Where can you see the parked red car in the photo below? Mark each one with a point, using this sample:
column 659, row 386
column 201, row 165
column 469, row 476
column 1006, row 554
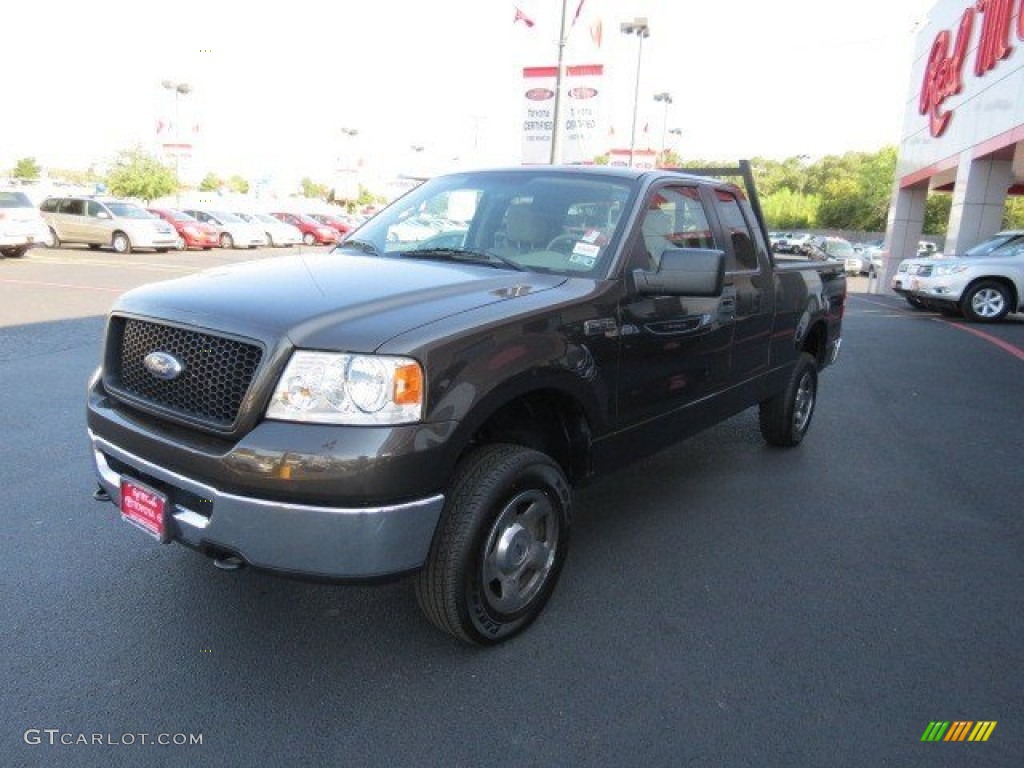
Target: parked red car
column 332, row 221
column 313, row 232
column 192, row 233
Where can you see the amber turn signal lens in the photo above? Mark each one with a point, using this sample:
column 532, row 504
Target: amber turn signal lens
column 408, row 385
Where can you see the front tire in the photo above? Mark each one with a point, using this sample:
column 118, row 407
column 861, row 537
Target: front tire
column 180, row 244
column 499, row 546
column 786, row 417
column 226, row 241
column 309, row 238
column 986, row 302
column 270, row 241
column 121, row 243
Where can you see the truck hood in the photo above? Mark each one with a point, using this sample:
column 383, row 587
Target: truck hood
column 330, row 300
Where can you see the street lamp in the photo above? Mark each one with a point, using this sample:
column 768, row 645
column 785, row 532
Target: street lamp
column 666, row 97
column 641, row 29
column 179, row 90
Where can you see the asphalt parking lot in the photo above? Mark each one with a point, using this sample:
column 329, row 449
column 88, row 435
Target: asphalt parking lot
column 724, row 603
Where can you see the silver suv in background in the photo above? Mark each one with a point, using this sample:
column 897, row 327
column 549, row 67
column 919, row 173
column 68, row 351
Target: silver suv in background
column 97, row 222
column 985, row 284
column 21, row 226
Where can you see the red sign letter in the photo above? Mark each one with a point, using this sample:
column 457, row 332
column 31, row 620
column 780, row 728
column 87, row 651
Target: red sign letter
column 994, row 44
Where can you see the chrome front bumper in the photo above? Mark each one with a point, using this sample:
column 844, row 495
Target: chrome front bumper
column 305, row 540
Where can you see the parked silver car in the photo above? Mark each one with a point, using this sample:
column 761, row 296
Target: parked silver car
column 21, row 225
column 98, row 222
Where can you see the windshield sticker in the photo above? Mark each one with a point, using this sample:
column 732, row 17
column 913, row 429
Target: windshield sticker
column 587, row 250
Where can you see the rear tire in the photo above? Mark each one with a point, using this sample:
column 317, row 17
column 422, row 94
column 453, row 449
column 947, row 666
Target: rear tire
column 270, row 241
column 309, row 238
column 785, row 418
column 17, row 252
column 499, row 546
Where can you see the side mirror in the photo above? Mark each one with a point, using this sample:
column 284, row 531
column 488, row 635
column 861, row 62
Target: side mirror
column 684, row 272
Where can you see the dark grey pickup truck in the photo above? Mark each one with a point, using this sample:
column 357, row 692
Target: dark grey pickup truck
column 423, row 398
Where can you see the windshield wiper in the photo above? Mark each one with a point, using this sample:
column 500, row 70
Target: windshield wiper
column 460, row 254
column 363, row 245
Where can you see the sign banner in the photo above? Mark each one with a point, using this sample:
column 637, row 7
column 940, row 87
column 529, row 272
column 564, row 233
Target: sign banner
column 582, row 123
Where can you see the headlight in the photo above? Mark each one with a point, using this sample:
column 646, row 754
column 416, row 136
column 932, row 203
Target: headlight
column 331, row 388
column 950, row 269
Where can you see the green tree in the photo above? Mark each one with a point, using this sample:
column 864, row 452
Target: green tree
column 237, row 184
column 311, row 189
column 26, row 168
column 1013, row 213
column 210, row 183
column 74, row 176
column 138, row 174
column 936, row 213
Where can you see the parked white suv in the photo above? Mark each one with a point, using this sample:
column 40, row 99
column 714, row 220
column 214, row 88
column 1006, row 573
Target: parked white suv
column 97, row 222
column 984, row 284
column 21, row 226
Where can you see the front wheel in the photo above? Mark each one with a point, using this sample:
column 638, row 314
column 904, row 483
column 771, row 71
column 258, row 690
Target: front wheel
column 986, row 302
column 499, row 546
column 121, row 243
column 180, row 244
column 786, row 417
column 226, row 241
column 309, row 238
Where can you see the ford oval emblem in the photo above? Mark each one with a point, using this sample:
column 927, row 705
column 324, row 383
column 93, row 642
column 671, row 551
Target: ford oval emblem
column 539, row 94
column 163, row 365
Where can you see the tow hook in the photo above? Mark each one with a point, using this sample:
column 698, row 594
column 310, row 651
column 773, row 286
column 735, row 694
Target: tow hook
column 100, row 494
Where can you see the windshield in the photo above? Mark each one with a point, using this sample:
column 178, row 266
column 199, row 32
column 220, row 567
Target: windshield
column 990, row 245
column 544, row 220
column 224, row 217
column 129, row 211
column 266, row 218
column 182, row 216
column 14, row 200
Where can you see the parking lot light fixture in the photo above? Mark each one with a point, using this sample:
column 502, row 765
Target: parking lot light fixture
column 642, row 30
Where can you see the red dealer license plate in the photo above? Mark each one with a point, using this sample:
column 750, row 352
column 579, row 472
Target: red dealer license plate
column 144, row 508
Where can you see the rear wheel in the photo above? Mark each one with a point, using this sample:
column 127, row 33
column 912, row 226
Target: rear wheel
column 270, row 241
column 121, row 243
column 499, row 547
column 786, row 417
column 309, row 238
column 17, row 252
column 986, row 302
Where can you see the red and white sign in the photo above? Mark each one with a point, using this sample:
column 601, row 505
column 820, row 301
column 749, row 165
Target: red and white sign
column 944, row 72
column 144, row 508
column 582, row 124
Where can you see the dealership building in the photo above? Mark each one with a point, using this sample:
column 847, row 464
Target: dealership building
column 963, row 132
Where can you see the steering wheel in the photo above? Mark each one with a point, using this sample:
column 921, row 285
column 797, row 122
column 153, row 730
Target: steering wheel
column 562, row 244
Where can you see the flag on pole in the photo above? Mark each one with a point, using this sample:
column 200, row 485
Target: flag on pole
column 579, row 10
column 520, row 16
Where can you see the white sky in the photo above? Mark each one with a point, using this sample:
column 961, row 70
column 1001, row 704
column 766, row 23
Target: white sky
column 274, row 82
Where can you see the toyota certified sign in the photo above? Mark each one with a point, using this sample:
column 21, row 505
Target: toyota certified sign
column 539, row 94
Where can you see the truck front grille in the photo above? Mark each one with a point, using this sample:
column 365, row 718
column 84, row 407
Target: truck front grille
column 216, row 370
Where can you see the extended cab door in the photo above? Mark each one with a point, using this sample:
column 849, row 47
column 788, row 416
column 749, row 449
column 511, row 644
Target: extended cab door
column 749, row 293
column 674, row 350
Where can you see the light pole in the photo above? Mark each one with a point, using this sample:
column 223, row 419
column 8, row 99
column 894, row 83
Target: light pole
column 641, row 29
column 666, row 97
column 179, row 90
